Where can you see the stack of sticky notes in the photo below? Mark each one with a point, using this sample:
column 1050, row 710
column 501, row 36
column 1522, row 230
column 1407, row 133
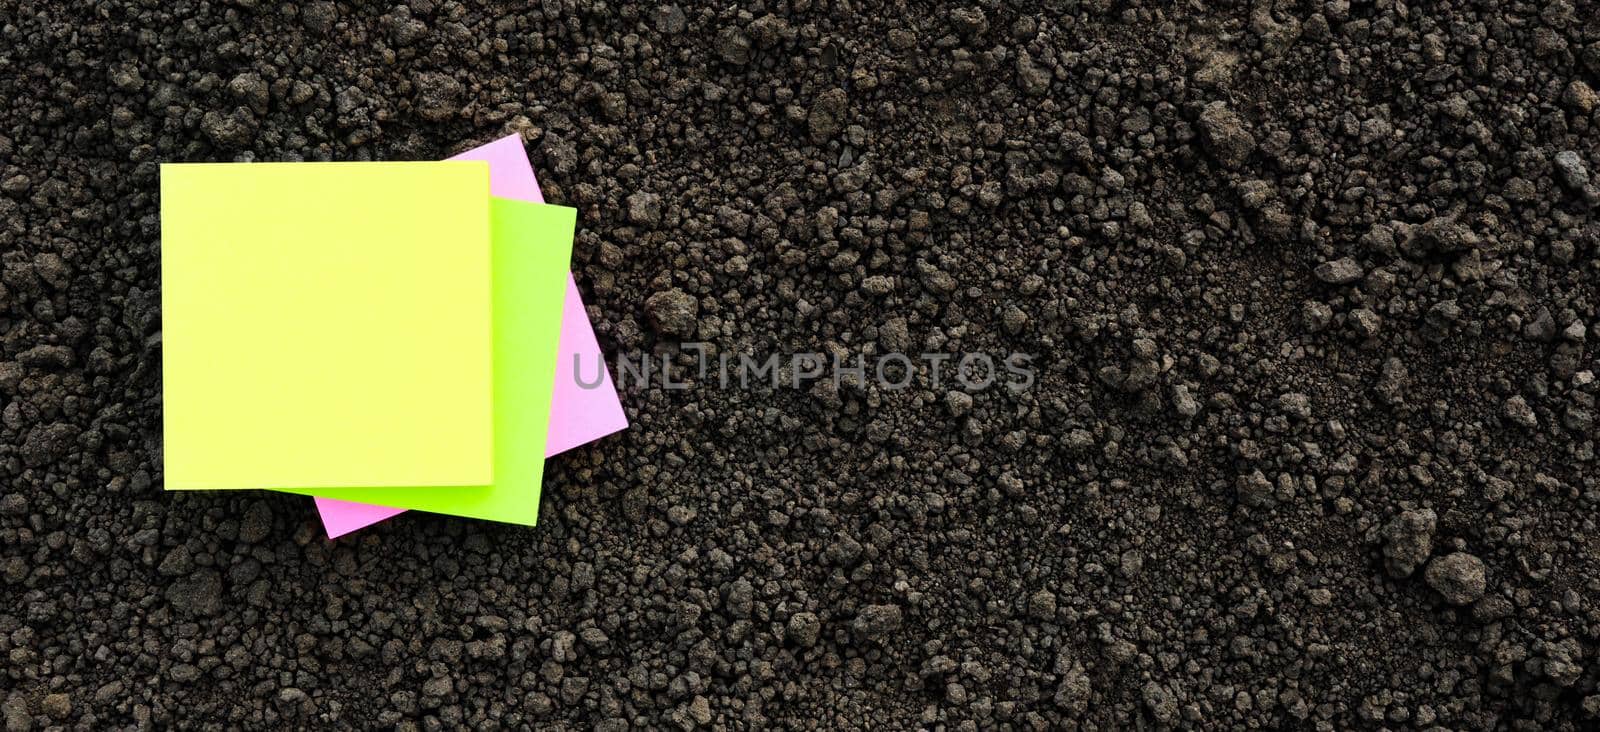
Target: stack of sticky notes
column 383, row 336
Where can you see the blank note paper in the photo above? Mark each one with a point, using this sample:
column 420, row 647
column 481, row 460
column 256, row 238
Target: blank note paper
column 326, row 324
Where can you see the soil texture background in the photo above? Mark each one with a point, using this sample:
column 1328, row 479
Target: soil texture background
column 1312, row 290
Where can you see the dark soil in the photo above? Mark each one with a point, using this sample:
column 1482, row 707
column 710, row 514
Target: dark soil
column 1313, row 290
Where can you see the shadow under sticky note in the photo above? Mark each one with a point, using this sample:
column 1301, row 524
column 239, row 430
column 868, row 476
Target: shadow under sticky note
column 302, row 304
column 580, row 412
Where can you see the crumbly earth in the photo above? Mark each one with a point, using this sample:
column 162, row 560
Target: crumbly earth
column 1313, row 290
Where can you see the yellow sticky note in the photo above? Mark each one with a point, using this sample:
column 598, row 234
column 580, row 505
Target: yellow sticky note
column 326, row 324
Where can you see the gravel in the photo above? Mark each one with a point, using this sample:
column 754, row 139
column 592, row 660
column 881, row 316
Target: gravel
column 1309, row 290
column 1408, row 541
column 1458, row 577
column 1227, row 135
column 1342, row 271
column 672, row 312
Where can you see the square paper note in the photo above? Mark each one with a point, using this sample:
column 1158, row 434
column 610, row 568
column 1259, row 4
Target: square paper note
column 326, row 324
column 532, row 248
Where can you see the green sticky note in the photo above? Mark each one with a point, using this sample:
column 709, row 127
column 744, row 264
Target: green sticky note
column 530, row 251
column 326, row 324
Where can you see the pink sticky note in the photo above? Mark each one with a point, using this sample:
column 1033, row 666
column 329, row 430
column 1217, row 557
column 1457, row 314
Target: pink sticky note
column 581, row 410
